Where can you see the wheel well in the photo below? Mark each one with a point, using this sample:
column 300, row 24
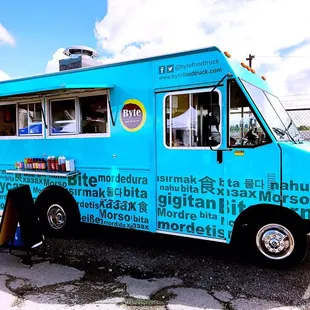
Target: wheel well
column 259, row 211
column 55, row 190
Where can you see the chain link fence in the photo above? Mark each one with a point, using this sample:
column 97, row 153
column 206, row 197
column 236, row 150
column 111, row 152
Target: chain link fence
column 301, row 118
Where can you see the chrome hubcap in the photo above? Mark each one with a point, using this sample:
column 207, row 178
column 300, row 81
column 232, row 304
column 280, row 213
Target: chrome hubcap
column 56, row 216
column 275, row 241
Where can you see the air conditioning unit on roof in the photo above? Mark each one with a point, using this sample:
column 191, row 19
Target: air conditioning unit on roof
column 79, row 57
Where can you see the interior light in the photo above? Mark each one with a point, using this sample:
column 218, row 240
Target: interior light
column 227, row 54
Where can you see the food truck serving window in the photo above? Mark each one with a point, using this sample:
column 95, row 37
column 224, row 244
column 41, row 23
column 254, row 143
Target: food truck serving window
column 20, row 119
column 63, row 118
column 193, row 119
column 81, row 115
column 29, row 118
column 93, row 114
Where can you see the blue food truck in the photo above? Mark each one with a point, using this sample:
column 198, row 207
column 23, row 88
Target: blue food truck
column 192, row 144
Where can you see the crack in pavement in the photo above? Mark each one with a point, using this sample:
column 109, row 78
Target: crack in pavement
column 51, row 284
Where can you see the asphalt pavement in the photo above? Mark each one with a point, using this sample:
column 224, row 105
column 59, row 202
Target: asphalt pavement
column 104, row 268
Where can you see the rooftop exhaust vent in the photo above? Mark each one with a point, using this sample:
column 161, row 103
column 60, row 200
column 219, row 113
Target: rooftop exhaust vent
column 79, row 57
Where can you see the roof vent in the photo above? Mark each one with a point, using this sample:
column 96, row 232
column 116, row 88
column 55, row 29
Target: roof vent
column 79, row 57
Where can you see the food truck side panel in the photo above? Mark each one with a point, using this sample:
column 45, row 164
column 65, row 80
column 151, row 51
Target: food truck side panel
column 116, row 184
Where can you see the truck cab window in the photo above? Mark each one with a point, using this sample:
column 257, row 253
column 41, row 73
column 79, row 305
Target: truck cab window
column 193, row 120
column 244, row 127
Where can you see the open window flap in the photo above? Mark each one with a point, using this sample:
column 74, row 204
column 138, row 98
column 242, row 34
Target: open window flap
column 115, row 109
column 43, row 112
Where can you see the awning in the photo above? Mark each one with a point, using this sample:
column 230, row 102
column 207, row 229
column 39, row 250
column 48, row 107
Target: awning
column 16, row 88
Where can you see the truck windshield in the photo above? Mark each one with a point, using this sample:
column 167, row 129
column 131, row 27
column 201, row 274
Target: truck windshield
column 274, row 113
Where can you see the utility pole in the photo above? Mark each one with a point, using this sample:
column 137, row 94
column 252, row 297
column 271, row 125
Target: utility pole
column 250, row 60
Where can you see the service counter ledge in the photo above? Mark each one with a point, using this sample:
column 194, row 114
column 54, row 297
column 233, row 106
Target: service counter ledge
column 48, row 173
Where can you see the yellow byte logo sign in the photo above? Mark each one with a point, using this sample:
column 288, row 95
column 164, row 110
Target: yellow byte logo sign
column 133, row 115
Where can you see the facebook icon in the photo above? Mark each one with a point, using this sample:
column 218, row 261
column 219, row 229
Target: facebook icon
column 162, row 69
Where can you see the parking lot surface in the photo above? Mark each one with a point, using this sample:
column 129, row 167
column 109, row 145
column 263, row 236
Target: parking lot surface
column 104, row 268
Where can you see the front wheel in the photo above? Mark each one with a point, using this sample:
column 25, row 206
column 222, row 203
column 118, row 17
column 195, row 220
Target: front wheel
column 279, row 243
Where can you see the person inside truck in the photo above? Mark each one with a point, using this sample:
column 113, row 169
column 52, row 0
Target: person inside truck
column 252, row 135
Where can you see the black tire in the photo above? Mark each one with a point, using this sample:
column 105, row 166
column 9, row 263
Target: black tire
column 270, row 248
column 58, row 212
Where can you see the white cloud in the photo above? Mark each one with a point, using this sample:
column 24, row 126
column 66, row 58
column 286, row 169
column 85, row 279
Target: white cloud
column 5, row 36
column 259, row 27
column 3, row 76
column 53, row 64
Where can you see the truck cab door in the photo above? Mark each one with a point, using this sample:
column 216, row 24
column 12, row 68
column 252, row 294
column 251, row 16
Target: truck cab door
column 252, row 164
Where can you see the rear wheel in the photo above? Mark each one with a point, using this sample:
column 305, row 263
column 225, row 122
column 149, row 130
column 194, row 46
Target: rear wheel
column 56, row 217
column 58, row 212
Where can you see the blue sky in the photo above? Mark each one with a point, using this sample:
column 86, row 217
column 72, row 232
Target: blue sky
column 41, row 27
column 130, row 29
